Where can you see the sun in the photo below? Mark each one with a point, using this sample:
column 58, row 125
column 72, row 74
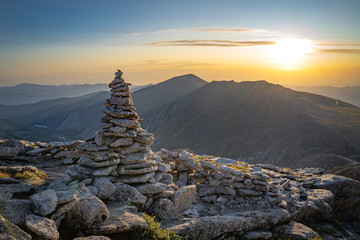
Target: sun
column 290, row 52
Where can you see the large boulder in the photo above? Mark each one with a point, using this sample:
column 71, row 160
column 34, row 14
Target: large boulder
column 88, row 211
column 295, row 231
column 44, row 203
column 120, row 221
column 318, row 204
column 164, row 208
column 183, row 197
column 44, row 228
column 346, row 192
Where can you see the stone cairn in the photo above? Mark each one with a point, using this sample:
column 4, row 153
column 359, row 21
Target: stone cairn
column 120, row 152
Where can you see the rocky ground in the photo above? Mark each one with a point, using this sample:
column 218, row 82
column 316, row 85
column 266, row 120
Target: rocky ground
column 213, row 198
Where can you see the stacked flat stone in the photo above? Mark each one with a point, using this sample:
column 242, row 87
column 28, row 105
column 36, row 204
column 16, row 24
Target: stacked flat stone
column 121, row 149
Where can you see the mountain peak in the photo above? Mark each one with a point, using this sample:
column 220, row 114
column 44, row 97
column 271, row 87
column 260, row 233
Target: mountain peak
column 187, row 78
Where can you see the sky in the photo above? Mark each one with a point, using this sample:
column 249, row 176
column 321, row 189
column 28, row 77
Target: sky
column 287, row 42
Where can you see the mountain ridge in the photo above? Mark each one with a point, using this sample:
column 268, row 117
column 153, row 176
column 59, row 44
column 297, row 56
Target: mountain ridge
column 192, row 111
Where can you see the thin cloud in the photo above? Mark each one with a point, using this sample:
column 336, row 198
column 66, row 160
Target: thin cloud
column 340, row 50
column 212, row 43
column 175, row 64
column 205, row 29
column 338, row 44
column 215, row 29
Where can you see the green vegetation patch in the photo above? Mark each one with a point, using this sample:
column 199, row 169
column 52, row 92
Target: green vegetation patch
column 156, row 232
column 29, row 175
column 38, row 175
column 239, row 168
column 198, row 158
column 5, row 175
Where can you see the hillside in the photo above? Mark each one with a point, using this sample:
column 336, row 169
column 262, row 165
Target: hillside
column 347, row 94
column 259, row 122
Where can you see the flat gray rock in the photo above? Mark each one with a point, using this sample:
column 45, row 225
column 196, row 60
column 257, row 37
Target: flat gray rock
column 87, row 162
column 149, row 189
column 126, row 123
column 139, row 170
column 66, row 144
column 100, row 172
column 247, row 192
column 44, row 203
column 66, row 196
column 121, row 142
column 92, row 147
column 135, row 158
column 135, row 147
column 105, row 187
column 137, row 178
column 126, row 194
column 148, row 163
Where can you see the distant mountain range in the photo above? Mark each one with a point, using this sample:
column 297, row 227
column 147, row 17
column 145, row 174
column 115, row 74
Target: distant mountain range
column 347, row 94
column 251, row 121
column 31, row 93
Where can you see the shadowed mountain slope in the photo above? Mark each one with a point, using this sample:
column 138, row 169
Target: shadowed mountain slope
column 257, row 121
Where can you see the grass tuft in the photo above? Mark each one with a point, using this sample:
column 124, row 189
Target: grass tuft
column 4, row 175
column 30, row 175
column 156, row 232
column 238, row 168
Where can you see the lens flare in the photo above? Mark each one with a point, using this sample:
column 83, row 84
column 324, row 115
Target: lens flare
column 289, row 53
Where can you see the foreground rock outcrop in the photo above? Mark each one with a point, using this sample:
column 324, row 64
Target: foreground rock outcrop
column 114, row 178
